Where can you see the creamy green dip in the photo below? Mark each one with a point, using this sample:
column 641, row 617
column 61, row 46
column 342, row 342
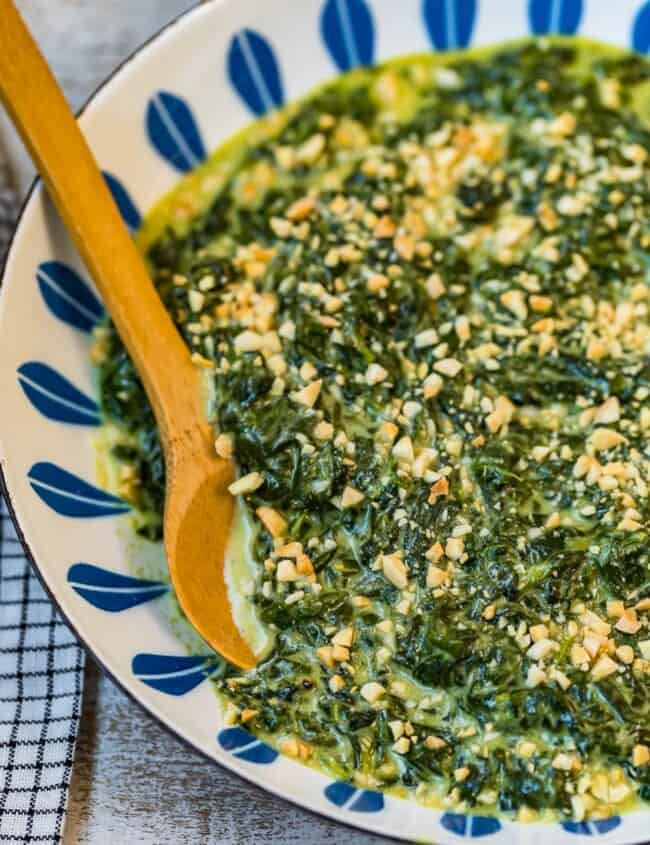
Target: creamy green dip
column 421, row 297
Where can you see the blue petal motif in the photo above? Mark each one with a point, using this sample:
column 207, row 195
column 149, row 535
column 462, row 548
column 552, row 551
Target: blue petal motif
column 472, row 827
column 641, row 30
column 245, row 746
column 173, row 131
column 55, row 397
column 170, row 674
column 595, row 828
column 254, row 72
column 124, row 202
column 111, row 591
column 348, row 797
column 349, row 33
column 69, row 495
column 555, row 16
column 450, row 22
column 68, row 296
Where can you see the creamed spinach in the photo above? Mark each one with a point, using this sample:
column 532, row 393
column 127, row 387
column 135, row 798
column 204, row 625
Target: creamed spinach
column 421, row 297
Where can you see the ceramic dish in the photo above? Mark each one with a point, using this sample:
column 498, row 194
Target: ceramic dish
column 192, row 87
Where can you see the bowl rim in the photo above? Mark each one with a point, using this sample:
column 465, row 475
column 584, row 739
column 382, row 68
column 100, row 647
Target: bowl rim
column 33, row 191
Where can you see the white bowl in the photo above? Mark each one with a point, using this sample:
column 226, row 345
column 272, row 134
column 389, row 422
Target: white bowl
column 194, row 85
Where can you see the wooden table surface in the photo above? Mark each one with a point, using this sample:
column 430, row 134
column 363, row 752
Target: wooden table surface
column 132, row 781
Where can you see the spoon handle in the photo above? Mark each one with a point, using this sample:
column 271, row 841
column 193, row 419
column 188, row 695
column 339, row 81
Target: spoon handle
column 41, row 114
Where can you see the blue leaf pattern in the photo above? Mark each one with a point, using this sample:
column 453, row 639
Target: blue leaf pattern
column 472, row 827
column 595, row 828
column 111, row 591
column 254, row 72
column 124, row 202
column 68, row 296
column 170, row 674
column 555, row 16
column 245, row 746
column 641, row 30
column 349, row 33
column 70, row 495
column 450, row 23
column 173, row 131
column 55, row 397
column 348, row 797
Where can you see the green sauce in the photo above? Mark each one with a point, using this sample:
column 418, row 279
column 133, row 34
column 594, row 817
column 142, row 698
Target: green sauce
column 421, row 295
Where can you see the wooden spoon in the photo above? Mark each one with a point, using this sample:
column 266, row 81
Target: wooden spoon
column 198, row 508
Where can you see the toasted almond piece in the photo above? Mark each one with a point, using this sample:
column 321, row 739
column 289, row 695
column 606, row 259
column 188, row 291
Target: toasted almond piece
column 432, row 385
column 301, row 209
column 515, row 302
column 395, row 570
column 377, row 282
column 563, row 762
column 579, row 655
column 640, row 755
column 372, row 691
column 501, row 415
column 403, row 450
column 615, row 609
column 340, row 653
column 249, row 341
column 274, row 522
column 304, row 566
column 324, row 431
column 280, row 227
column 526, row 749
column 308, row 396
column 608, row 412
column 387, row 433
column 324, row 654
column 628, row 623
column 286, row 571
column 448, row 367
column 385, row 228
column 246, row 484
column 538, row 632
column 426, row 338
column 293, row 550
column 336, row 683
column 435, row 553
column 224, row 445
column 455, row 548
column 435, row 286
column 541, row 649
column 344, row 637
column 489, row 612
column 593, row 621
column 438, row 488
column 436, row 577
column 375, row 374
column 603, row 668
column 606, row 438
column 405, row 246
column 554, row 521
column 434, row 743
column 351, row 497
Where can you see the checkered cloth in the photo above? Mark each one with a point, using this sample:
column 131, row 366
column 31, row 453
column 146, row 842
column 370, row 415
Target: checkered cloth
column 41, row 670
